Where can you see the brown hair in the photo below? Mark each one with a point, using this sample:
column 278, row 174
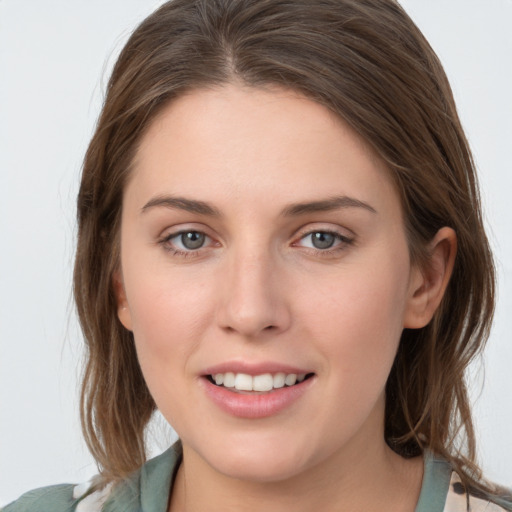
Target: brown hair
column 366, row 61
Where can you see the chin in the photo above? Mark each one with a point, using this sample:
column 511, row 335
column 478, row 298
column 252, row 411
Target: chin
column 264, row 461
column 258, row 470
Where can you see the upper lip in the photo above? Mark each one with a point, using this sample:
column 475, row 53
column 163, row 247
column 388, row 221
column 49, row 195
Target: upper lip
column 254, row 368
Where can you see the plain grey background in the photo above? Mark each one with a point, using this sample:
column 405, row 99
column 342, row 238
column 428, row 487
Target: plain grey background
column 54, row 62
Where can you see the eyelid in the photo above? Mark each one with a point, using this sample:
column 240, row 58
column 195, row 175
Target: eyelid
column 178, row 234
column 173, row 232
column 344, row 237
column 338, row 236
column 310, row 228
column 184, row 227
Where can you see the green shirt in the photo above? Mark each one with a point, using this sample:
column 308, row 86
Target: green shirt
column 147, row 490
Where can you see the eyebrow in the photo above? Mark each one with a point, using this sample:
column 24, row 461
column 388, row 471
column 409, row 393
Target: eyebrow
column 296, row 209
column 182, row 203
column 332, row 203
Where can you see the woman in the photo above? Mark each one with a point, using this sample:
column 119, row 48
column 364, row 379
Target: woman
column 280, row 247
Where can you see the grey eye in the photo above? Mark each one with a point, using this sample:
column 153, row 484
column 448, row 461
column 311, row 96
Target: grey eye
column 322, row 240
column 192, row 239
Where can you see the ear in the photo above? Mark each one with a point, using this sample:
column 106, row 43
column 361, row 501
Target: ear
column 123, row 310
column 427, row 285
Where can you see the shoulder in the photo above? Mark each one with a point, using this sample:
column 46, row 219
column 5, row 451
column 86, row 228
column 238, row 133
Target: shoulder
column 62, row 498
column 56, row 498
column 458, row 500
column 443, row 491
column 146, row 488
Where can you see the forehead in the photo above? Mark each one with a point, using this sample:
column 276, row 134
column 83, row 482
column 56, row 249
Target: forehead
column 235, row 142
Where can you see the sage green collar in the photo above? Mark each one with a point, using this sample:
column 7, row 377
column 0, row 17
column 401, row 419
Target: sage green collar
column 436, row 482
column 148, row 489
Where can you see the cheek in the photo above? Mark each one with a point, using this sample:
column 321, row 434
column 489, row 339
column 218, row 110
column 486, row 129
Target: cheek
column 165, row 314
column 167, row 311
column 357, row 323
column 168, row 318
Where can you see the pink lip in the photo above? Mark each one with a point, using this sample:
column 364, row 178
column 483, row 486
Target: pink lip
column 253, row 368
column 255, row 405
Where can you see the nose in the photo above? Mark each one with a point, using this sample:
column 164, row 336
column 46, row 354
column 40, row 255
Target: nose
column 254, row 297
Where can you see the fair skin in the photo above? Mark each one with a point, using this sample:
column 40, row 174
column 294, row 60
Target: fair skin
column 260, row 235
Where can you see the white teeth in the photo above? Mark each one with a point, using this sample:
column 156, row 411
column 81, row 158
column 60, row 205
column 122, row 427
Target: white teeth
column 262, row 383
column 279, row 379
column 291, row 379
column 243, row 382
column 229, row 380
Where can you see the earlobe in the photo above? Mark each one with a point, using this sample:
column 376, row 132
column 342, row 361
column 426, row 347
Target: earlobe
column 428, row 285
column 123, row 310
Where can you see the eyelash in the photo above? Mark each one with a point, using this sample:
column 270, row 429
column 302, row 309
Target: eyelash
column 165, row 242
column 343, row 242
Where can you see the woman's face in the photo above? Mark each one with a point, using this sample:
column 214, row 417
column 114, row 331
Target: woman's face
column 262, row 240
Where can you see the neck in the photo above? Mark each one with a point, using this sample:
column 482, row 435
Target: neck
column 361, row 477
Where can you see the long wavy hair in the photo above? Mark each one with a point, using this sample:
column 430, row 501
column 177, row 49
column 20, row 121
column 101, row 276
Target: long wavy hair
column 366, row 61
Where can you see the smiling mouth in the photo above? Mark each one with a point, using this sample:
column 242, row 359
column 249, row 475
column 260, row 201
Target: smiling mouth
column 243, row 382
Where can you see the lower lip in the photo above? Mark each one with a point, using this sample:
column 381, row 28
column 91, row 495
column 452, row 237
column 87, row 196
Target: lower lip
column 257, row 405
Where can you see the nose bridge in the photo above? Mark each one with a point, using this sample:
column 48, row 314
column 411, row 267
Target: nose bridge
column 254, row 300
